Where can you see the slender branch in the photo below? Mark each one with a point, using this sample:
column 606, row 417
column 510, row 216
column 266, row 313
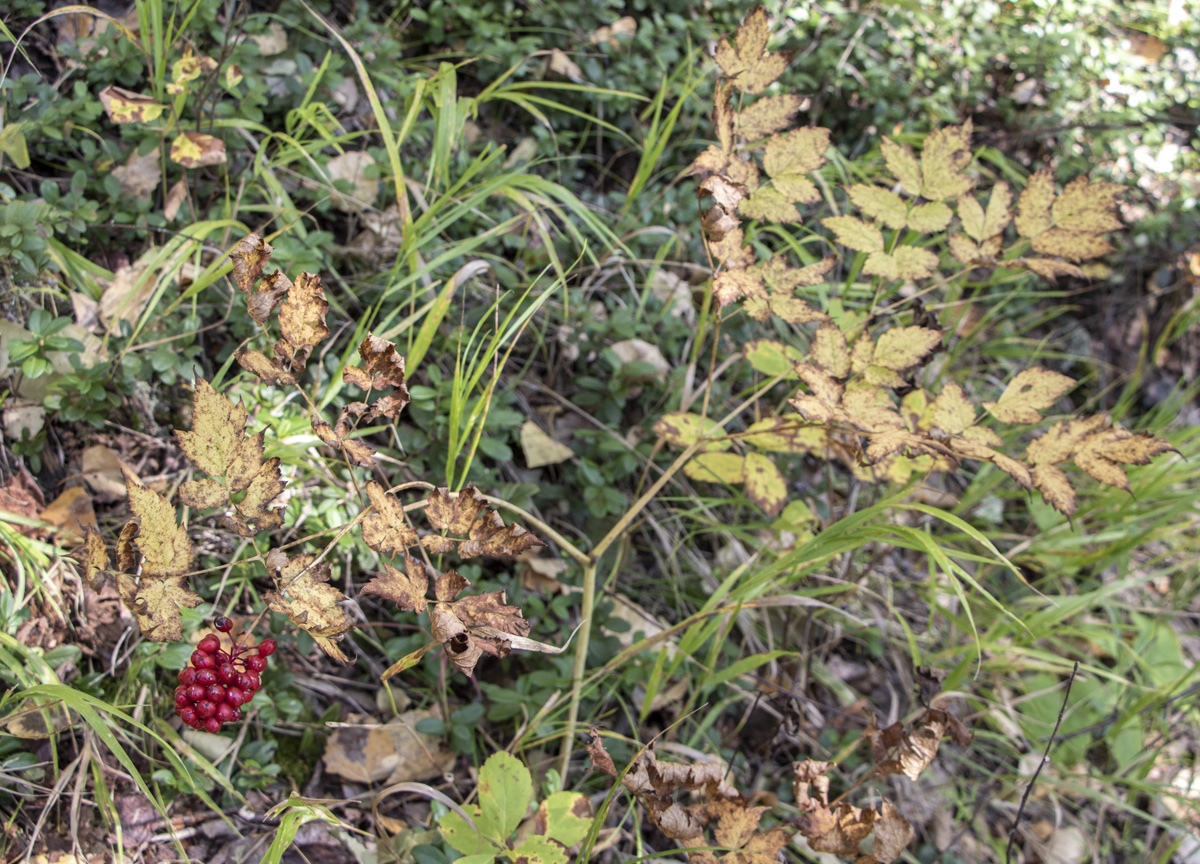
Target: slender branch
column 1045, row 758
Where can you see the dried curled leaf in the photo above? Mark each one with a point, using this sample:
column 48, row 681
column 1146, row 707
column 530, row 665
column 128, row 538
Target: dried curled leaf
column 746, row 61
column 383, row 369
column 466, row 512
column 302, row 320
column 93, row 555
column 303, row 593
column 405, row 589
column 260, row 365
column 155, row 601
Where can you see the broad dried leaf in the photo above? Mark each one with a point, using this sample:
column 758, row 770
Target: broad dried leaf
column 767, row 115
column 385, row 529
column 197, row 150
column 1103, row 453
column 261, row 303
column 891, row 441
column 893, row 834
column 944, row 155
column 217, row 429
column 854, row 233
column 732, row 252
column 1033, row 207
column 1088, row 208
column 902, row 347
column 1028, row 394
column 732, row 285
column 682, row 429
column 723, row 115
column 903, row 164
column 250, row 256
column 455, row 513
column 405, row 589
column 880, row 204
column 1055, row 487
column 164, row 544
column 125, row 106
column 155, row 601
column 744, row 170
column 727, row 468
column 746, row 62
column 263, row 367
column 1071, row 244
column 782, row 278
column 829, row 349
column 929, row 217
column 126, row 554
column 826, row 389
column 302, row 320
column 384, row 368
column 717, row 223
column 304, row 594
column 839, row 831
column 204, row 494
column 765, row 485
column 722, row 190
column 769, row 205
column 490, row 536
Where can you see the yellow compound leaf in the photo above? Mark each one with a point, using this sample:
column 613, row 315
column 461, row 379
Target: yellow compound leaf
column 765, row 486
column 902, row 347
column 771, row 357
column 304, row 594
column 769, row 205
column 405, row 589
column 953, row 412
column 855, row 233
column 794, row 310
column 204, row 494
column 829, row 349
column 913, row 262
column 966, row 252
column 744, row 171
column 1033, row 207
column 164, row 544
column 930, row 217
column 946, row 152
column 716, row 468
column 731, row 252
column 1019, row 471
column 385, row 529
column 125, row 106
column 881, row 264
column 217, row 429
column 1048, row 268
column 683, row 430
column 155, row 601
column 903, row 164
column 881, row 376
column 826, row 389
column 383, row 368
column 882, row 205
column 1055, row 487
column 1089, row 208
column 917, row 411
column 757, row 308
column 263, row 489
column 302, row 320
column 981, row 226
column 767, row 116
column 870, row 410
column 1071, row 244
column 711, row 161
column 196, row 150
column 1062, row 440
column 732, row 285
column 862, row 355
column 1102, row 454
column 736, row 824
column 787, row 434
column 797, row 152
column 891, row 441
column 796, row 188
column 1028, row 394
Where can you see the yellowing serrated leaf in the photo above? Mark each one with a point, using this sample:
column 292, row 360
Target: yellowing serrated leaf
column 999, row 212
column 750, row 69
column 723, row 116
column 724, row 192
column 155, row 601
column 767, row 115
column 164, row 544
column 731, row 252
column 881, row 264
column 771, row 357
column 787, row 434
column 765, row 486
column 683, row 430
column 769, row 205
column 902, row 347
column 881, row 376
column 304, row 594
column 716, row 468
column 794, row 310
column 217, row 429
column 855, row 233
column 796, row 188
column 1089, row 208
column 1028, row 394
column 797, row 152
column 903, row 164
column 944, row 155
column 782, row 278
column 1033, row 207
column 880, row 204
column 1055, row 487
column 386, row 529
column 964, row 251
column 540, row 449
column 712, row 160
column 1071, row 244
column 953, row 412
column 861, row 356
column 1048, row 268
column 929, row 217
column 302, row 320
column 912, row 262
column 972, row 217
column 744, row 171
column 732, row 285
column 829, row 349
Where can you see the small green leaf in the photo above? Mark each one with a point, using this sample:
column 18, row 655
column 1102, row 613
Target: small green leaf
column 505, row 788
column 462, row 836
column 563, row 822
column 536, row 849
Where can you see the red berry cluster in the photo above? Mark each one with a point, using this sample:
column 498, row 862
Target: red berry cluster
column 213, row 689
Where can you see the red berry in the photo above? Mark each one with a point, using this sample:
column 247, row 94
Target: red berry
column 235, row 696
column 205, row 708
column 225, row 712
column 188, row 715
column 180, row 689
column 267, row 647
column 187, row 676
column 256, row 663
column 195, row 692
column 237, row 715
column 226, row 674
column 210, row 644
column 203, row 661
column 247, row 695
column 182, row 700
column 249, row 681
column 223, row 624
column 213, row 725
column 215, row 693
column 206, row 677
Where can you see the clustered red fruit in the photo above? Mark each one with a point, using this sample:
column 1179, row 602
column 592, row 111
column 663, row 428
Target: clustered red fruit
column 215, row 686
